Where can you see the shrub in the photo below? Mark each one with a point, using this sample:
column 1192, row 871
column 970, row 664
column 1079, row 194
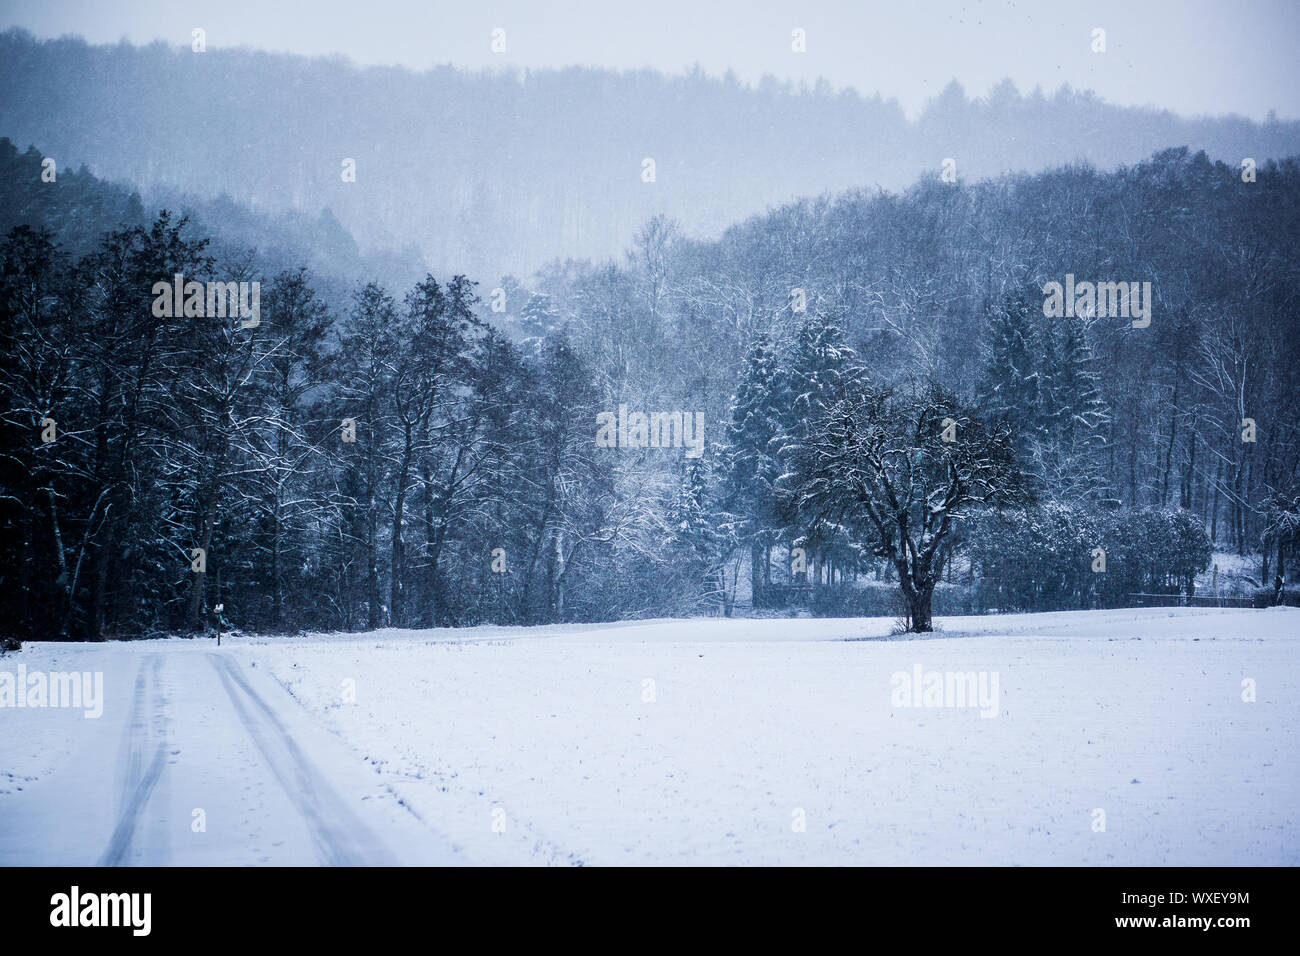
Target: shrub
column 1267, row 597
column 873, row 599
column 1041, row 559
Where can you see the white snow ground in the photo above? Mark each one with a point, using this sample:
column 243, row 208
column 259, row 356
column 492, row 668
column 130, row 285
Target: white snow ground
column 541, row 746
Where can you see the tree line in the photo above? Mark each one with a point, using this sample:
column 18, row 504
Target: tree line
column 883, row 396
column 1194, row 410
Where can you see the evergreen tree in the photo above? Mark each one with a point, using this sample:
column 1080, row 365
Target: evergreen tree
column 1073, row 414
column 538, row 316
column 751, row 469
column 1009, row 388
column 819, row 365
column 694, row 536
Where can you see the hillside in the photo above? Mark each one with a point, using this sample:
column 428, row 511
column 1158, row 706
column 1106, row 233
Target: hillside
column 495, row 173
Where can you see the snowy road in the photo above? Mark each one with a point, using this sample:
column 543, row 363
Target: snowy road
column 145, row 739
column 197, row 759
column 1157, row 737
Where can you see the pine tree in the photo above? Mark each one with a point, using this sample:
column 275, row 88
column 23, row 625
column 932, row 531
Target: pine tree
column 538, row 316
column 820, row 364
column 1009, row 390
column 1073, row 414
column 751, row 469
column 694, row 539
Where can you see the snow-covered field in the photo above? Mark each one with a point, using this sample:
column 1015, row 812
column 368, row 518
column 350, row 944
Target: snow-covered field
column 696, row 741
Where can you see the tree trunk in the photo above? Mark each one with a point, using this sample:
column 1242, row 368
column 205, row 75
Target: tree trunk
column 63, row 611
column 919, row 602
column 200, row 577
column 429, row 613
column 1187, row 487
column 99, row 594
column 1238, row 527
column 917, row 581
column 373, row 613
column 277, row 570
column 396, row 605
column 1214, row 506
column 277, row 504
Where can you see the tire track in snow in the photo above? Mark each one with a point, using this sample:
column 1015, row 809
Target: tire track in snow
column 138, row 781
column 339, row 836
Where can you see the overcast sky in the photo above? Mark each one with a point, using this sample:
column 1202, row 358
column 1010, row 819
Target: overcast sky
column 1190, row 56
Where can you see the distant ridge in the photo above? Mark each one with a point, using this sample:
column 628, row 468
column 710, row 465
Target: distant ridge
column 497, row 173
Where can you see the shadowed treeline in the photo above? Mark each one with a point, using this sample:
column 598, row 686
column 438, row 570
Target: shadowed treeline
column 825, row 344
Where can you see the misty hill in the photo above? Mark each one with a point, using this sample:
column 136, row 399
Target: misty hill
column 499, row 172
column 79, row 208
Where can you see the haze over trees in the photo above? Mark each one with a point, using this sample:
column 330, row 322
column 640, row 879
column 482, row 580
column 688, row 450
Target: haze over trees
column 489, row 173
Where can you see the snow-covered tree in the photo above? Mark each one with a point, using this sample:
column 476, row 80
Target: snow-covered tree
column 902, row 467
column 752, row 465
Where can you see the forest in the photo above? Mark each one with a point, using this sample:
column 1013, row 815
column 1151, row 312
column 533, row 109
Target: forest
column 890, row 413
